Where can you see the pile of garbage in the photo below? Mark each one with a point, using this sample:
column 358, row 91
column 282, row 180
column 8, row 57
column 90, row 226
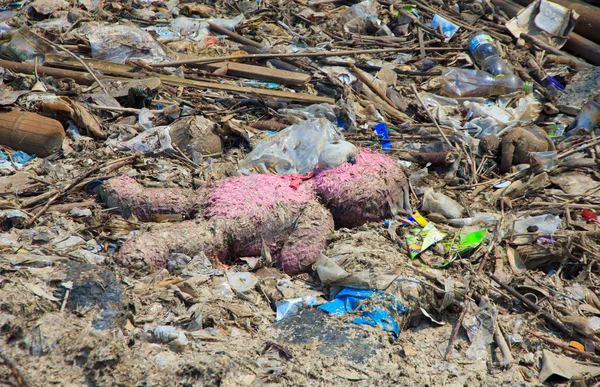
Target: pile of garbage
column 299, row 192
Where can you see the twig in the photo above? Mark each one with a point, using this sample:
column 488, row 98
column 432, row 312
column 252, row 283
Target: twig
column 15, row 369
column 59, row 47
column 122, row 109
column 492, row 244
column 431, row 117
column 566, row 347
column 74, row 182
column 535, row 308
column 587, row 144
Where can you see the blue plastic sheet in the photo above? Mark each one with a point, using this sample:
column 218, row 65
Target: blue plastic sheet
column 382, row 309
column 20, row 158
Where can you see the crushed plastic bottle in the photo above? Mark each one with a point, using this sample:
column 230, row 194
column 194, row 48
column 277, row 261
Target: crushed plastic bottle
column 460, row 83
column 495, row 78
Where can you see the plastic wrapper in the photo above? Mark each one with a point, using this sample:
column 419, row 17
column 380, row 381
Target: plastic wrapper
column 293, row 150
column 448, row 28
column 122, row 43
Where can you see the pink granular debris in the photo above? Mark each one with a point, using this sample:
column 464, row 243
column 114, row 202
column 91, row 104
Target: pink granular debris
column 255, row 196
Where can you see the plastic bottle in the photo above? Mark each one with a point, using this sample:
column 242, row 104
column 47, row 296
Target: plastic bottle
column 460, row 83
column 31, row 133
column 480, row 218
column 588, row 117
column 486, row 56
column 495, row 78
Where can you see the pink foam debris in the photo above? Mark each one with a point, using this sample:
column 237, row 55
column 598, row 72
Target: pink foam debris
column 369, row 190
column 255, row 196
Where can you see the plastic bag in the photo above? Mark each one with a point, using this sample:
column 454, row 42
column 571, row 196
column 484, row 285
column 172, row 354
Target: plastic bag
column 293, row 150
column 299, row 115
column 197, row 29
column 121, row 43
column 442, row 204
column 26, row 47
column 362, row 17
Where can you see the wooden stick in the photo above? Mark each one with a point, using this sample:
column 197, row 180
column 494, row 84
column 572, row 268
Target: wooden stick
column 503, row 345
column 371, row 85
column 457, row 327
column 300, row 55
column 80, row 77
column 431, row 117
column 566, row 347
column 260, row 72
column 126, row 70
column 235, row 37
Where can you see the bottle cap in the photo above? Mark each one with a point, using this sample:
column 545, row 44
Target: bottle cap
column 528, row 88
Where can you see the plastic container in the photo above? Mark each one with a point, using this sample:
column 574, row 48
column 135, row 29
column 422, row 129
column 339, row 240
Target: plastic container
column 546, row 161
column 486, row 55
column 460, row 83
column 31, row 133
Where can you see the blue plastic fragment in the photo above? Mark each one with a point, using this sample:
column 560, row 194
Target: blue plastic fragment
column 90, row 187
column 378, row 311
column 554, row 83
column 448, row 28
column 383, row 135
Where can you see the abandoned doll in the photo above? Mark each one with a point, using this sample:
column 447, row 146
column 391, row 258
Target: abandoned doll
column 232, row 218
column 516, row 146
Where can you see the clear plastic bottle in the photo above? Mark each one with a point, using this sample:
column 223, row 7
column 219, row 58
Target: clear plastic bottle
column 480, row 218
column 459, row 83
column 486, row 55
column 588, row 117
